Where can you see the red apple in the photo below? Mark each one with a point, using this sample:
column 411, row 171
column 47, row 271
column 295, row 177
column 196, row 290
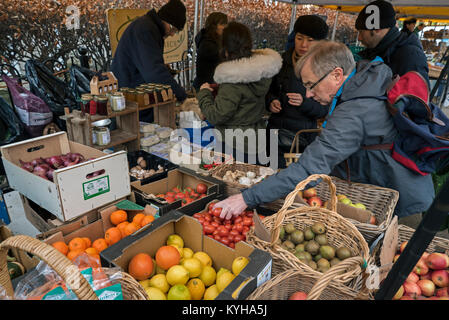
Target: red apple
column 442, row 292
column 437, row 261
column 421, row 268
column 309, row 193
column 424, row 256
column 373, row 220
column 413, row 277
column 411, row 289
column 399, row 294
column 427, row 276
column 440, row 278
column 314, row 202
column 427, row 287
column 299, row 295
column 403, row 245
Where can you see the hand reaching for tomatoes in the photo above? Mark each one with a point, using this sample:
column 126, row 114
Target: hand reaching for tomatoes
column 232, row 207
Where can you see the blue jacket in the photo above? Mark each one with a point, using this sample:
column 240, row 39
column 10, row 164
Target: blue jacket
column 139, row 55
column 357, row 121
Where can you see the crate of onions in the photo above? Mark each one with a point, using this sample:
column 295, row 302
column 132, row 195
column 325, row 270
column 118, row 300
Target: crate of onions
column 64, row 177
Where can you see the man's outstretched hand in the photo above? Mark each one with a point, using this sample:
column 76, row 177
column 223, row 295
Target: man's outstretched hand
column 232, row 206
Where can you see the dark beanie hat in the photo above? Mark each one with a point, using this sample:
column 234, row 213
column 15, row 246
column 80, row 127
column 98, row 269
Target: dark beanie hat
column 174, row 13
column 311, row 26
column 387, row 17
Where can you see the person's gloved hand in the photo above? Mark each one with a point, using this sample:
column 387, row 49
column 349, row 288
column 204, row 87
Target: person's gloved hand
column 232, row 206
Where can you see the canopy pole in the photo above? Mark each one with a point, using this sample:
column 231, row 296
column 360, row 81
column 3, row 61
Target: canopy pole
column 201, row 14
column 335, row 26
column 292, row 18
column 195, row 31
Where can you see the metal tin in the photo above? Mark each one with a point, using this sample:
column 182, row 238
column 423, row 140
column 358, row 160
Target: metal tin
column 101, row 123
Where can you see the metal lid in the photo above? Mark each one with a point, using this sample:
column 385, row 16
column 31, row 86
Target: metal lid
column 101, row 123
column 86, row 96
column 101, row 97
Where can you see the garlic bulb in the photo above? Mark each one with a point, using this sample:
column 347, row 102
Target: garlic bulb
column 245, row 181
column 251, row 174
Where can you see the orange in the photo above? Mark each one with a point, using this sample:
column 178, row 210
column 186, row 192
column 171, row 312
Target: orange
column 167, row 256
column 121, row 226
column 100, row 244
column 91, row 251
column 61, row 247
column 77, row 244
column 118, row 216
column 138, row 218
column 73, row 254
column 141, row 266
column 88, row 242
column 112, row 235
column 131, row 228
column 146, row 220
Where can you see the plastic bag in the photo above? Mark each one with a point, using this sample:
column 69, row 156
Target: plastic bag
column 80, row 80
column 32, row 110
column 13, row 129
column 43, row 283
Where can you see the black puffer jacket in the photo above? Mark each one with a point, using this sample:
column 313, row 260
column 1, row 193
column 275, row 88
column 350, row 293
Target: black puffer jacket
column 293, row 118
column 402, row 52
column 208, row 57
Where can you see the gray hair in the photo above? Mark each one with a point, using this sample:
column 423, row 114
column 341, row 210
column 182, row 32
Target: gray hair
column 326, row 55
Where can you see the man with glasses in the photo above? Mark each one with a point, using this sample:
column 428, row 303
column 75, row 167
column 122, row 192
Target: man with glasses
column 139, row 55
column 357, row 122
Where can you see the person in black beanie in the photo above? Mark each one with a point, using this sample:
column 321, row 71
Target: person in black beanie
column 402, row 52
column 290, row 110
column 409, row 26
column 139, row 57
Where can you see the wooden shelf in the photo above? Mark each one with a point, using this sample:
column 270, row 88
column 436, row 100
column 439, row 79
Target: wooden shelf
column 159, row 104
column 129, row 109
column 117, row 137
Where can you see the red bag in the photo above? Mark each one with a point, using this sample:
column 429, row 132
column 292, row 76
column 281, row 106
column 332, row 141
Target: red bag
column 32, row 110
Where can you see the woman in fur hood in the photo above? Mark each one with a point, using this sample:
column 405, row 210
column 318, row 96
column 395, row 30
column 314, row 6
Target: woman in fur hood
column 243, row 80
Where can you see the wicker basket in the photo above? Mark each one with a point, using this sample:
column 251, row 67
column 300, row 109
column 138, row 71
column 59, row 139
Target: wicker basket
column 132, row 290
column 291, row 156
column 380, row 201
column 234, row 187
column 283, row 285
column 340, row 232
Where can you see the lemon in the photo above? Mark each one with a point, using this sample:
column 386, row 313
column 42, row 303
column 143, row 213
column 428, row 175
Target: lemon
column 159, row 281
column 204, row 258
column 179, row 292
column 180, row 250
column 145, row 283
column 159, row 270
column 155, row 294
column 220, row 272
column 224, row 280
column 239, row 264
column 211, row 293
column 208, row 276
column 194, row 266
column 176, row 240
column 196, row 288
column 177, row 275
column 187, row 253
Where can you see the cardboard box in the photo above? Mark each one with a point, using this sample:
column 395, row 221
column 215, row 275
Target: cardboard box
column 182, row 178
column 150, row 240
column 153, row 162
column 72, row 193
column 93, row 230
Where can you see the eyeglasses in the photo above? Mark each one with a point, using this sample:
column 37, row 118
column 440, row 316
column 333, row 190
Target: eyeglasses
column 321, row 79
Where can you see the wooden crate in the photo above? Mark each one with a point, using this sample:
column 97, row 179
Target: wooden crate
column 102, row 87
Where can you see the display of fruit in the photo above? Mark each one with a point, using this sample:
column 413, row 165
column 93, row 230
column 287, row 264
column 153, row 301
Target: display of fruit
column 429, row 279
column 311, row 246
column 299, row 295
column 187, row 195
column 44, row 167
column 228, row 232
column 168, row 276
column 345, row 200
column 245, row 178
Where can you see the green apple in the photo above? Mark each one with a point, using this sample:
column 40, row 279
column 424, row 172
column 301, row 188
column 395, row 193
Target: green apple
column 360, row 205
column 346, row 201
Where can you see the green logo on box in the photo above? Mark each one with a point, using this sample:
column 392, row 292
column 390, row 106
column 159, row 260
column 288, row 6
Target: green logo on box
column 94, row 188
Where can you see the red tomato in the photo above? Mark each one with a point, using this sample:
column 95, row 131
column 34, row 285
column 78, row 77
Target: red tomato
column 231, row 238
column 239, row 227
column 188, row 189
column 176, row 190
column 203, row 195
column 239, row 219
column 245, row 229
column 223, row 232
column 207, row 217
column 216, row 211
column 232, row 245
column 211, row 206
column 169, row 199
column 208, row 229
column 247, row 221
column 234, row 232
column 210, row 236
column 197, row 215
column 261, row 217
column 225, row 241
column 187, row 200
column 238, row 238
column 228, row 226
column 201, row 220
column 180, row 195
column 170, row 194
column 249, row 214
column 215, row 232
column 217, row 237
column 194, row 194
column 201, row 188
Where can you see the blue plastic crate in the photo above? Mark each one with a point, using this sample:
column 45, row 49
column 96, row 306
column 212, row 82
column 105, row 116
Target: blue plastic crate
column 3, row 212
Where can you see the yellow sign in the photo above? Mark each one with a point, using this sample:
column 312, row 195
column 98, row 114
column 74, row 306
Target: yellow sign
column 118, row 21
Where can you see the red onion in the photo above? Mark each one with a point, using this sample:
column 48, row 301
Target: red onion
column 41, row 169
column 73, row 156
column 43, row 176
column 37, row 161
column 26, row 165
column 49, row 174
column 55, row 161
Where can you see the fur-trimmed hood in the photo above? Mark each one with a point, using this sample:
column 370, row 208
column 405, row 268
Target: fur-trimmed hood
column 264, row 63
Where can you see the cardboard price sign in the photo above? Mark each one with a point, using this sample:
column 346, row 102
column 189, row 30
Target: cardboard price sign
column 119, row 20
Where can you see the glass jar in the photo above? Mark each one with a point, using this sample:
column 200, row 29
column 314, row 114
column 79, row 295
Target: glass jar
column 118, row 102
column 158, row 94
column 85, row 102
column 132, row 95
column 103, row 136
column 102, row 105
column 150, row 92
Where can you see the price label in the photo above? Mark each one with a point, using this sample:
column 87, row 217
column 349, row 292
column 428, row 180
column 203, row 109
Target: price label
column 96, row 187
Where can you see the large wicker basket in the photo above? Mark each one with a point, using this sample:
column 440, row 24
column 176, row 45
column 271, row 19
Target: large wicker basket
column 283, row 285
column 340, row 232
column 380, row 201
column 131, row 289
